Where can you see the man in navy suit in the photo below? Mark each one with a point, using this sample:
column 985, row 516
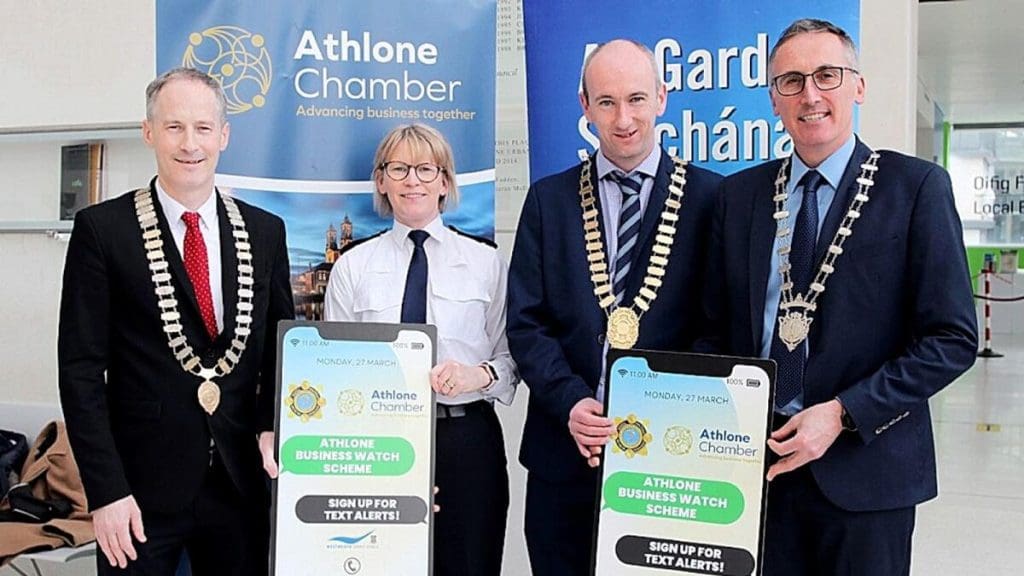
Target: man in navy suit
column 847, row 267
column 571, row 268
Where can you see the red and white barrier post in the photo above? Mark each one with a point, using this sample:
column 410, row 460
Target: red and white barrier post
column 987, row 352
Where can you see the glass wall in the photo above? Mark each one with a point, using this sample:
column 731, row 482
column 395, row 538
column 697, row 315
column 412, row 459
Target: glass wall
column 987, row 168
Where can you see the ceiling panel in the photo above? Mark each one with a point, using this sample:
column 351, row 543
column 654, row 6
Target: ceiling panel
column 971, row 59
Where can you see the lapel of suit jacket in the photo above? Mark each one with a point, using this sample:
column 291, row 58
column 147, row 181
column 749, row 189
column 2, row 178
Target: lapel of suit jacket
column 648, row 223
column 841, row 203
column 228, row 269
column 578, row 229
column 840, row 206
column 184, row 289
column 594, row 182
column 656, row 203
column 762, row 238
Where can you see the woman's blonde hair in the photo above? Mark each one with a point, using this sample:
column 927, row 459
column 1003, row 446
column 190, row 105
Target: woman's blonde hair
column 422, row 141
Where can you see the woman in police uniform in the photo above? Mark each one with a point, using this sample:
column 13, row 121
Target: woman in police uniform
column 423, row 272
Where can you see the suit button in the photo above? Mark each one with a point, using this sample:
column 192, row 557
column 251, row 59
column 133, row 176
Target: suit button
column 600, row 339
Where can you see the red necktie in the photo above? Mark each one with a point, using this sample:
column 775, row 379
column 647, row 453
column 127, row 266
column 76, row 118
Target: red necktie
column 198, row 267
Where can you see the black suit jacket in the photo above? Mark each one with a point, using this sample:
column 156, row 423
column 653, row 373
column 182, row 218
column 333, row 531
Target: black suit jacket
column 555, row 326
column 132, row 415
column 895, row 324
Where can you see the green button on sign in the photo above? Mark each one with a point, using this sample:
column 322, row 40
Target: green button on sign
column 673, row 497
column 347, row 455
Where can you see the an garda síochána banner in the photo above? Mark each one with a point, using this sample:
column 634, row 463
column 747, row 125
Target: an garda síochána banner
column 714, row 61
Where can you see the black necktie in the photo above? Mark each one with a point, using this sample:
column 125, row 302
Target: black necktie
column 801, row 260
column 414, row 303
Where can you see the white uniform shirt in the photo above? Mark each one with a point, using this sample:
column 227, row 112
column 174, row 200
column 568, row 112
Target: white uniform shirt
column 466, row 284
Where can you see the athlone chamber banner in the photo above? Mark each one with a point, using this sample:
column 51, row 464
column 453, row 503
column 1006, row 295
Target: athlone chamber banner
column 312, row 87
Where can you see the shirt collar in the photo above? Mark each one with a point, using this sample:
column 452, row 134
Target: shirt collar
column 831, row 169
column 174, row 209
column 649, row 166
column 436, row 230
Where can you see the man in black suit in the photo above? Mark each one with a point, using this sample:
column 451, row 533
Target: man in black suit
column 613, row 246
column 171, row 299
column 847, row 267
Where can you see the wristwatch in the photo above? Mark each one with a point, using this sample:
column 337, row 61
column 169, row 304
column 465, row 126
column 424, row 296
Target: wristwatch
column 491, row 373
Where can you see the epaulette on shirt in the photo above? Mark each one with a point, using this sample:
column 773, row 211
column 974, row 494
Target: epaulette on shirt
column 479, row 239
column 355, row 243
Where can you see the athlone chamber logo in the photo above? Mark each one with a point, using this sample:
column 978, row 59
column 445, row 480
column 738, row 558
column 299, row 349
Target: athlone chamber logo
column 350, row 402
column 236, row 58
column 631, row 436
column 678, row 440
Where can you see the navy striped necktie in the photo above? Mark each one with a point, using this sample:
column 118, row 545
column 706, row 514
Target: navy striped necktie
column 801, row 259
column 629, row 229
column 414, row 302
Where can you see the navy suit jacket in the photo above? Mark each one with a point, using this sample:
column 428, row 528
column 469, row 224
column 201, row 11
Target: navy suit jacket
column 555, row 326
column 133, row 419
column 895, row 324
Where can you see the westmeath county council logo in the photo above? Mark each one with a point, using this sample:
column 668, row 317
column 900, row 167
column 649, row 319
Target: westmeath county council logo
column 631, row 436
column 305, row 401
column 236, row 58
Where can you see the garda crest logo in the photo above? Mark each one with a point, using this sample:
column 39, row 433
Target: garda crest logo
column 678, row 440
column 631, row 436
column 236, row 58
column 350, row 402
column 305, row 401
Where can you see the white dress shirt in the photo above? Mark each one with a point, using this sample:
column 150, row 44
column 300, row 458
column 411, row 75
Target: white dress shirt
column 209, row 225
column 466, row 284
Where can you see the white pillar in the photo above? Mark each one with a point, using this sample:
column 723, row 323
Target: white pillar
column 888, row 61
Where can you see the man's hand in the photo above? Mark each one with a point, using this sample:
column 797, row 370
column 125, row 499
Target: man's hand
column 449, row 378
column 806, row 437
column 266, row 444
column 590, row 429
column 115, row 524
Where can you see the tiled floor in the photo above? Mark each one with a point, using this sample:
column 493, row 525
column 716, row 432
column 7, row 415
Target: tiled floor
column 976, row 525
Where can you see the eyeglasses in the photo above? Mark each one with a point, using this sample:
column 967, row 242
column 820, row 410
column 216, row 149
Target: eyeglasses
column 825, row 79
column 398, row 171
